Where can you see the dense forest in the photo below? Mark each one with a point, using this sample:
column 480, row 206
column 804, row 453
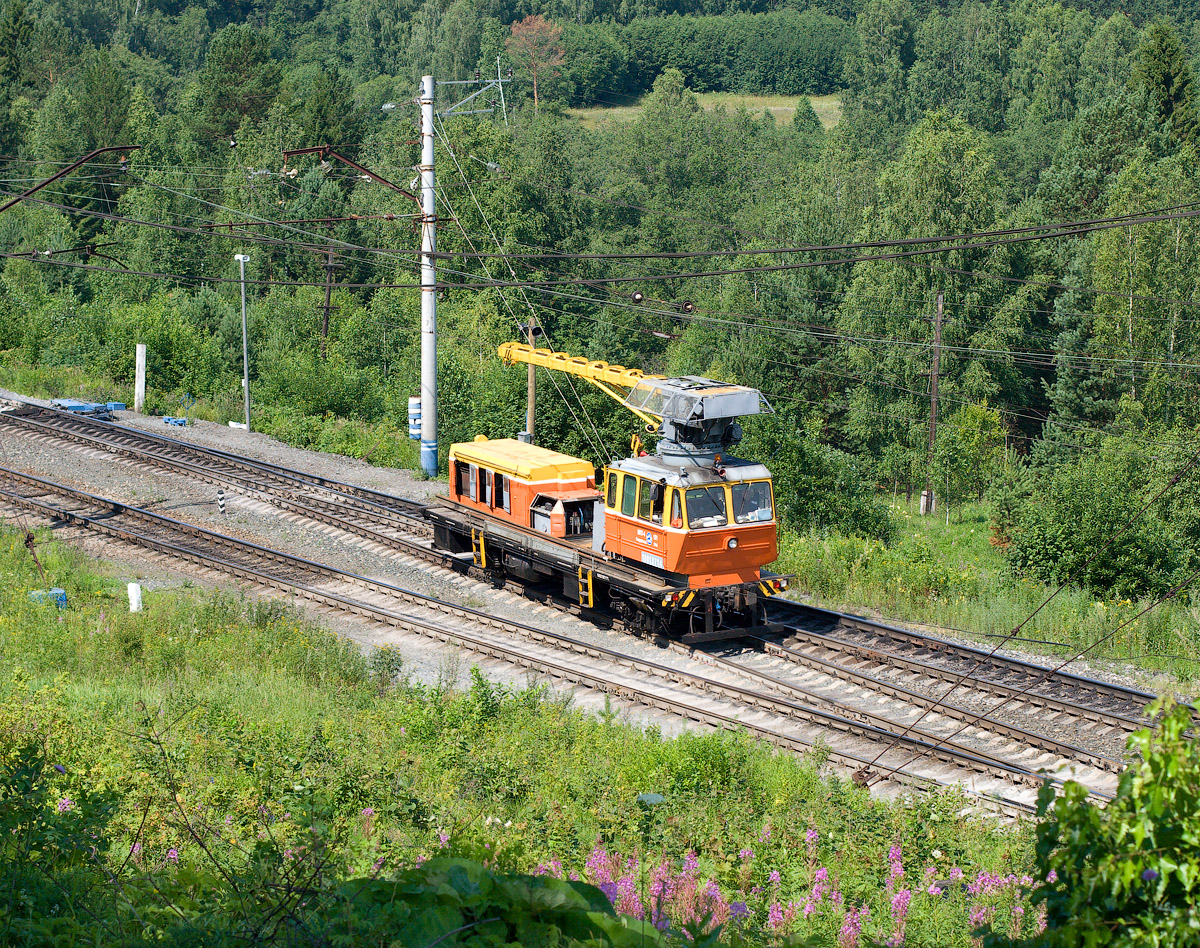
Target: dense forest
column 1068, row 354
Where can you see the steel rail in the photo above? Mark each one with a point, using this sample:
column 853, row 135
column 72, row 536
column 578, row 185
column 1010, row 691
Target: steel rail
column 970, row 760
column 101, row 434
column 335, row 514
column 387, row 504
column 977, row 681
column 983, row 722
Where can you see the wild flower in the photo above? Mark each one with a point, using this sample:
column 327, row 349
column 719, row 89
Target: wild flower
column 443, row 839
column 1149, row 875
column 172, row 855
column 934, row 890
column 66, row 805
column 774, row 877
column 811, row 838
column 895, row 868
column 378, row 864
column 775, row 916
column 738, row 910
column 900, row 904
column 60, row 768
column 1051, row 876
column 852, row 927
column 745, row 853
column 765, row 834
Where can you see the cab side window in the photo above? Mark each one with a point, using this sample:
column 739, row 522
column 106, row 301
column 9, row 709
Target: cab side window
column 502, row 491
column 613, row 477
column 676, row 512
column 628, row 494
column 646, row 499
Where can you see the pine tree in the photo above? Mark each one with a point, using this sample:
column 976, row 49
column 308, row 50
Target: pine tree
column 1163, row 70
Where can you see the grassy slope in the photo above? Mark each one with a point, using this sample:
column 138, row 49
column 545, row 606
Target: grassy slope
column 828, row 108
column 264, row 718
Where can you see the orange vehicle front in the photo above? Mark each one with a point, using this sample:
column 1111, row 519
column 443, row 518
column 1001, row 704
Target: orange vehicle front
column 714, row 528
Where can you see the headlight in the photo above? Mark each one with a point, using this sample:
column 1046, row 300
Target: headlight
column 732, row 544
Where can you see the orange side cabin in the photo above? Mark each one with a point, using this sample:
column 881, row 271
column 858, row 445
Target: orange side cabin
column 525, row 485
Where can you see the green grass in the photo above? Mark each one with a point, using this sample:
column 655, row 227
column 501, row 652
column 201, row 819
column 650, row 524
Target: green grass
column 827, row 107
column 380, row 443
column 237, row 711
column 950, row 576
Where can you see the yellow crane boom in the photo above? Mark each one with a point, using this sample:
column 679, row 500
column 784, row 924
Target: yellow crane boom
column 604, row 376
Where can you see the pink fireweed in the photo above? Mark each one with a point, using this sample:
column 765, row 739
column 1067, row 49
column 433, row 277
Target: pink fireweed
column 900, row 904
column 852, row 927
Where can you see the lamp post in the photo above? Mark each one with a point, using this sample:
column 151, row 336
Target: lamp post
column 241, row 258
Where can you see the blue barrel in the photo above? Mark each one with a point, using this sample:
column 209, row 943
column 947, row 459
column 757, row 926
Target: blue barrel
column 414, row 418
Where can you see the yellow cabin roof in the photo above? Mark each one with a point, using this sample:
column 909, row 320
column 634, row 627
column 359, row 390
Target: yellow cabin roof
column 527, row 462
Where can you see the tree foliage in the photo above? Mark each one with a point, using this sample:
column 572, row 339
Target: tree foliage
column 535, row 44
column 1125, row 874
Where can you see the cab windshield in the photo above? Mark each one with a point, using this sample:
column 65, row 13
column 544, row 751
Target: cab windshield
column 751, row 501
column 706, row 507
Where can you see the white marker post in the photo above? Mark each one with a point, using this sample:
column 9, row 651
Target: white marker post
column 139, row 385
column 135, row 597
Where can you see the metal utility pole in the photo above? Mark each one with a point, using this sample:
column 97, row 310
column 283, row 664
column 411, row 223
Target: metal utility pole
column 927, row 502
column 429, row 444
column 500, row 83
column 330, row 266
column 241, row 258
column 531, row 402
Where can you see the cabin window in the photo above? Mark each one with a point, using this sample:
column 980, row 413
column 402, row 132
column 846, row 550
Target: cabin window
column 628, row 494
column 485, row 487
column 751, row 501
column 462, row 479
column 472, row 481
column 646, row 499
column 706, row 507
column 502, row 492
column 650, row 500
column 612, row 489
column 676, row 512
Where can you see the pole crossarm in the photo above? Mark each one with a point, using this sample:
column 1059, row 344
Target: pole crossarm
column 457, row 108
column 66, row 171
column 608, row 378
column 325, row 151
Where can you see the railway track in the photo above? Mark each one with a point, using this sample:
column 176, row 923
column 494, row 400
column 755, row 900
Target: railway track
column 773, row 710
column 818, row 648
column 888, row 655
column 373, row 515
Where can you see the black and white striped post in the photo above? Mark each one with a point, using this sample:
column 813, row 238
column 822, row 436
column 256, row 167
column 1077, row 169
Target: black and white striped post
column 221, row 500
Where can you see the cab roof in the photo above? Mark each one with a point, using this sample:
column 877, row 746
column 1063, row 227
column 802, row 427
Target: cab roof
column 528, row 462
column 655, row 468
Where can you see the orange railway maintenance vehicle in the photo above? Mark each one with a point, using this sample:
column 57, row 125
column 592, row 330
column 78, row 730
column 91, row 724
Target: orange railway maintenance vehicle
column 673, row 543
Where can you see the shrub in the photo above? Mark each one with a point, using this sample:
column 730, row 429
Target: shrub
column 1071, row 528
column 1127, row 874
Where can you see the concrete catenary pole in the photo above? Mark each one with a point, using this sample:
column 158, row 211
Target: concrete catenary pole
column 429, row 443
column 241, row 258
column 927, row 499
column 139, row 383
